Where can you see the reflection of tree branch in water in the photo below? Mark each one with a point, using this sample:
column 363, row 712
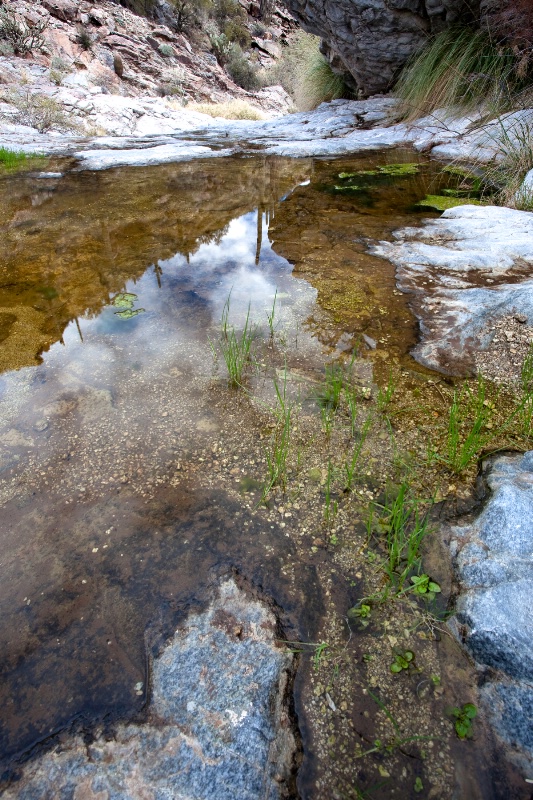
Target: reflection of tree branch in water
column 259, row 234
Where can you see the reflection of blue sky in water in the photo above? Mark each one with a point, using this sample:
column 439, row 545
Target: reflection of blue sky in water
column 181, row 313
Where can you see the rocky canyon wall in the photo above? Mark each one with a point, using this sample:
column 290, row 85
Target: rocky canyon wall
column 373, row 39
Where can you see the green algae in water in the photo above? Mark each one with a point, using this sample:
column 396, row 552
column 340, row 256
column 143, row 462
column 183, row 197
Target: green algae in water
column 350, row 188
column 124, row 300
column 461, row 172
column 397, row 170
column 437, row 202
column 392, row 170
column 127, row 313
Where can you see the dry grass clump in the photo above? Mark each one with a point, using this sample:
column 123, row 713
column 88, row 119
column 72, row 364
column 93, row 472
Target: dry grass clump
column 40, row 112
column 232, row 109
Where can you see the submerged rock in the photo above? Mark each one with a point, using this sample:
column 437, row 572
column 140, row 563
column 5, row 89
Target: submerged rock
column 493, row 556
column 466, row 271
column 217, row 726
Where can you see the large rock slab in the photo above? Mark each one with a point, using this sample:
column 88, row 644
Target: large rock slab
column 465, row 271
column 218, row 724
column 493, row 557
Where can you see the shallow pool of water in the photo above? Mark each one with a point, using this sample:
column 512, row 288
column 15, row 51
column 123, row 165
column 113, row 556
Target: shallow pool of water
column 125, row 460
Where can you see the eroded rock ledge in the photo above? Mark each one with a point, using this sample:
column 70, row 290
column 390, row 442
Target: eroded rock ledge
column 466, row 271
column 218, row 719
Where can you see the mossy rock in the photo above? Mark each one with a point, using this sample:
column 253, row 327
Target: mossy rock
column 438, row 202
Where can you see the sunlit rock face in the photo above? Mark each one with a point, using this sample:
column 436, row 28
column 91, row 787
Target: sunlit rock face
column 373, row 39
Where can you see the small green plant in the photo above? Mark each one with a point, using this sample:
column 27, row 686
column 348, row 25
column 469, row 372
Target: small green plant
column 236, row 348
column 320, row 650
column 331, row 507
column 403, row 525
column 279, row 446
column 397, row 740
column 467, row 434
column 352, row 402
column 464, row 717
column 361, row 613
column 11, row 159
column 271, row 316
column 385, row 395
column 165, row 50
column 526, row 374
column 402, row 661
column 350, row 467
column 329, row 394
column 83, row 37
column 422, row 584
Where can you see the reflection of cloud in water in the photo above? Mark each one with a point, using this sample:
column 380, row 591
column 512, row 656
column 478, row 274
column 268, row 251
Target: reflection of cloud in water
column 229, row 266
column 173, row 323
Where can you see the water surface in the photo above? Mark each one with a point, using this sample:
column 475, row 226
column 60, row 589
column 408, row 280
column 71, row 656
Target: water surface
column 125, row 459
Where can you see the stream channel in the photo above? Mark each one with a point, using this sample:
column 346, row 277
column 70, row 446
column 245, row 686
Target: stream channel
column 131, row 474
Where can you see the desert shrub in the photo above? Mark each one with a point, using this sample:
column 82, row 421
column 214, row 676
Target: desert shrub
column 18, row 34
column 6, row 49
column 58, row 69
column 233, row 109
column 172, row 84
column 39, row 111
column 221, row 47
column 231, row 21
column 83, row 37
column 224, row 10
column 144, row 8
column 460, row 68
column 258, row 29
column 165, row 50
column 241, row 71
column 511, row 22
column 188, row 14
column 305, row 74
column 235, row 31
column 266, row 9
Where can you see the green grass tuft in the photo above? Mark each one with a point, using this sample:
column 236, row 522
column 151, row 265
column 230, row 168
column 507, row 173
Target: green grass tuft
column 460, row 68
column 12, row 158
